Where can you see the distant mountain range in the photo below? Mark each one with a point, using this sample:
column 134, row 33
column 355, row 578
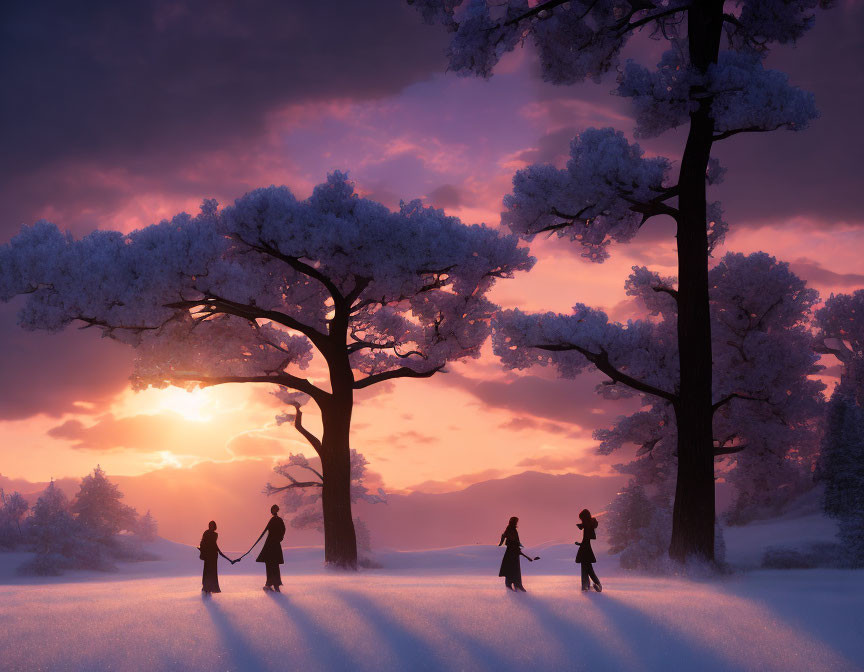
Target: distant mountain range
column 184, row 500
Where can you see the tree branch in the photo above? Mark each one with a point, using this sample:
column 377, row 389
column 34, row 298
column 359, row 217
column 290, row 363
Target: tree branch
column 272, row 489
column 729, row 397
column 667, row 290
column 730, row 450
column 313, row 440
column 534, row 11
column 284, row 379
column 601, row 361
column 295, row 263
column 215, row 304
column 749, row 129
column 401, row 372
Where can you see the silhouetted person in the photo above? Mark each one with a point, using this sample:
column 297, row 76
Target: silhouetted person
column 585, row 554
column 511, row 569
column 271, row 554
column 210, row 553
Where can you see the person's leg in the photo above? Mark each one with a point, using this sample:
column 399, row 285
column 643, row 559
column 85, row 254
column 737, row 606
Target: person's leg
column 585, row 567
column 593, row 575
column 277, row 577
column 508, row 583
column 270, row 578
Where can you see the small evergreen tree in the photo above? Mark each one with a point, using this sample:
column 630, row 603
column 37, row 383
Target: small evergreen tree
column 13, row 508
column 99, row 508
column 147, row 528
column 841, row 469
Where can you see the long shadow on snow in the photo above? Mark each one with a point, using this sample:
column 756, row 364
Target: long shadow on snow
column 328, row 651
column 658, row 643
column 582, row 645
column 240, row 656
column 483, row 656
column 410, row 651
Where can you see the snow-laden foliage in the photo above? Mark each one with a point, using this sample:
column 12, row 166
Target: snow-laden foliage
column 606, row 192
column 760, row 22
column 99, row 509
column 575, row 40
column 302, row 496
column 766, row 421
column 591, row 201
column 13, row 508
column 745, row 96
column 583, row 39
column 247, row 291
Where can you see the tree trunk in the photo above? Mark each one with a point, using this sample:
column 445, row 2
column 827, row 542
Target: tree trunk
column 340, row 541
column 693, row 514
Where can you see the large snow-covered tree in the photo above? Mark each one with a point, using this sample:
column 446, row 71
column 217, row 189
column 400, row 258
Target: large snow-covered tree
column 840, row 333
column 609, row 189
column 247, row 294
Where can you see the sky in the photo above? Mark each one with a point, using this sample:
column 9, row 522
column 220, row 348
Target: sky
column 117, row 115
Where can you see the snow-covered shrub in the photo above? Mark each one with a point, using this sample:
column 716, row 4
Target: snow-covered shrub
column 83, row 534
column 58, row 540
column 640, row 530
column 809, row 557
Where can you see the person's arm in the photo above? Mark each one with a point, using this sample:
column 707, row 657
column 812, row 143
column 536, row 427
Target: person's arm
column 219, row 550
column 502, row 540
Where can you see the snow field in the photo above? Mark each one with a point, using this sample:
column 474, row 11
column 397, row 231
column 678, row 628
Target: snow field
column 768, row 620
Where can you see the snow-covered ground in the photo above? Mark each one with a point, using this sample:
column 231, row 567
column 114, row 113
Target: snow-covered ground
column 435, row 610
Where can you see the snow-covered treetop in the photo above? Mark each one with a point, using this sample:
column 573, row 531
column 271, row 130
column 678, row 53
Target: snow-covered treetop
column 240, row 295
column 840, row 324
column 745, row 96
column 840, row 332
column 582, row 39
column 606, row 192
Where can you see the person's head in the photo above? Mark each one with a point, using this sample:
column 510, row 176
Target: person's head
column 274, row 509
column 587, row 520
column 514, row 521
column 211, row 526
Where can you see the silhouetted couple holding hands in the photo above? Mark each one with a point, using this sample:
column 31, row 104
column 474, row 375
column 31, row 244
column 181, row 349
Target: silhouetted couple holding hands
column 270, row 555
column 511, row 568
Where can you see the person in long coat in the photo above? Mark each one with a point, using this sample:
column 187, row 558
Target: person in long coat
column 511, row 569
column 210, row 553
column 585, row 554
column 271, row 554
